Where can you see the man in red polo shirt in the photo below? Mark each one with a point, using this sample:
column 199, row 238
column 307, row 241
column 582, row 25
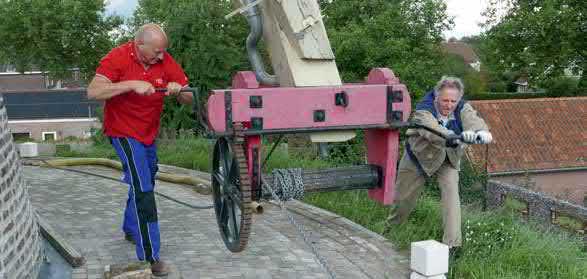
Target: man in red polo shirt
column 127, row 79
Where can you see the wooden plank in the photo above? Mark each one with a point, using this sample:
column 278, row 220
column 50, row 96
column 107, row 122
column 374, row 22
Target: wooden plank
column 67, row 251
column 291, row 69
column 308, row 61
column 301, row 22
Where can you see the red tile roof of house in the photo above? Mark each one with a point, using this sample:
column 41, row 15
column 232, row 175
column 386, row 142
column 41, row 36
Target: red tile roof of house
column 533, row 134
column 461, row 49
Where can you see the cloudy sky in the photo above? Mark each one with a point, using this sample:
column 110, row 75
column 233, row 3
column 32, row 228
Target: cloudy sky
column 121, row 7
column 467, row 14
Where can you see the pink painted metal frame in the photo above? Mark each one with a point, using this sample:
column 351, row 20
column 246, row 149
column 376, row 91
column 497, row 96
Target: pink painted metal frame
column 293, row 108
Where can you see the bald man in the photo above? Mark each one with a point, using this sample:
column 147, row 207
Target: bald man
column 126, row 80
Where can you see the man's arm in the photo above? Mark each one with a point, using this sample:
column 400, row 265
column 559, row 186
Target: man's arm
column 103, row 89
column 426, row 118
column 471, row 119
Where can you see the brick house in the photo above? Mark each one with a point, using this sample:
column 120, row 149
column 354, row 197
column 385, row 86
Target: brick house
column 10, row 79
column 538, row 143
column 51, row 114
column 41, row 108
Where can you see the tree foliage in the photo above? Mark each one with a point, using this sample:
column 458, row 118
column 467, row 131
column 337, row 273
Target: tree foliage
column 540, row 38
column 55, row 35
column 474, row 81
column 402, row 35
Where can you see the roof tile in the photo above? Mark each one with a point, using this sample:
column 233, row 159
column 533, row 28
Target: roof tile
column 533, row 134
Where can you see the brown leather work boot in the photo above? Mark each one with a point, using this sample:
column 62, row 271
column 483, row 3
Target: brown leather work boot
column 159, row 268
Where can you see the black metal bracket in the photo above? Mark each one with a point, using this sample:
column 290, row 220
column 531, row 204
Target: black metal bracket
column 394, row 96
column 341, row 99
column 228, row 109
column 398, row 96
column 256, row 177
column 256, row 123
column 255, row 101
column 319, row 115
column 397, row 115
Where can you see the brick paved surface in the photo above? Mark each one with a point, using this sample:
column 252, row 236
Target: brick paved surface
column 87, row 210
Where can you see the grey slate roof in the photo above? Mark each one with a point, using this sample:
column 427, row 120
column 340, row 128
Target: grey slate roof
column 49, row 105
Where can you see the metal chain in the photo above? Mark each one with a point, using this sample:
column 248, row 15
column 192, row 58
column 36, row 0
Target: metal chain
column 288, row 188
column 300, row 227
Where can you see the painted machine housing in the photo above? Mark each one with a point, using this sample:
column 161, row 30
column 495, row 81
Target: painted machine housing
column 377, row 106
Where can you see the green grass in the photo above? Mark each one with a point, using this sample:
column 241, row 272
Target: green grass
column 496, row 244
column 186, row 153
column 97, row 151
column 195, row 153
column 569, row 223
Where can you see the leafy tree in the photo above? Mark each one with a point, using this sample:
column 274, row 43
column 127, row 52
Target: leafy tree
column 539, row 38
column 402, row 35
column 55, row 35
column 474, row 41
column 455, row 65
column 475, row 82
column 563, row 86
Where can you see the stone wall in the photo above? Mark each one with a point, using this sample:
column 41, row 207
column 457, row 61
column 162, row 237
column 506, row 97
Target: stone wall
column 20, row 242
column 563, row 185
column 540, row 207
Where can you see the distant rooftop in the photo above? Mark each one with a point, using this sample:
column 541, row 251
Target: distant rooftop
column 461, row 49
column 533, row 134
column 49, row 105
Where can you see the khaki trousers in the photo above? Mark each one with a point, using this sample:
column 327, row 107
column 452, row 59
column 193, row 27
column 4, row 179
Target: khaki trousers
column 409, row 186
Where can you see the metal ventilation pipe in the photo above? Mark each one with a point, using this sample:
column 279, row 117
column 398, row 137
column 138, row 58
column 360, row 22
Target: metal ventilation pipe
column 256, row 31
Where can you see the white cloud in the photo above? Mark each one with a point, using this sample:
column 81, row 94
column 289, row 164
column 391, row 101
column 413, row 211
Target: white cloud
column 121, row 7
column 467, row 16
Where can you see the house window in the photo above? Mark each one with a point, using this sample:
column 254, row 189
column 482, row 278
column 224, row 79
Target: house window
column 49, row 136
column 18, row 137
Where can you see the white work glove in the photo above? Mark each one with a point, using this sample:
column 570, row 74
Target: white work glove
column 484, row 137
column 469, row 136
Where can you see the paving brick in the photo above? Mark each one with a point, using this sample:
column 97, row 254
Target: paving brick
column 190, row 238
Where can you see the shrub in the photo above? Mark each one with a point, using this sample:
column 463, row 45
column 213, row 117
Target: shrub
column 563, row 86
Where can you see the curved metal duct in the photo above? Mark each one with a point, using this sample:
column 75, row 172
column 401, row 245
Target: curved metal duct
column 256, row 32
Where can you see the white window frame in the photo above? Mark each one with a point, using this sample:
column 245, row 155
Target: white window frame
column 49, row 133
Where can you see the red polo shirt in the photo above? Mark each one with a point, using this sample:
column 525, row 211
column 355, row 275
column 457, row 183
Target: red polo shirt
column 130, row 114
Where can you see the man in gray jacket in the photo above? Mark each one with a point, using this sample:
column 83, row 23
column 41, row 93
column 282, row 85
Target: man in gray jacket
column 428, row 154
